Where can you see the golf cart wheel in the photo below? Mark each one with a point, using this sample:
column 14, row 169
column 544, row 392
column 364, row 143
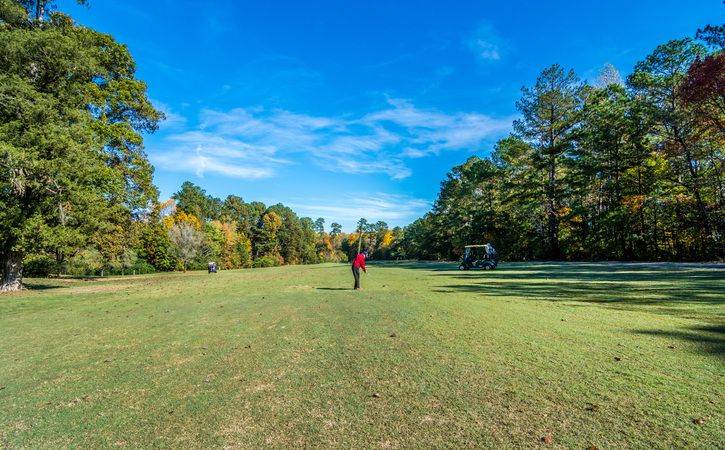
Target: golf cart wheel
column 462, row 267
column 488, row 267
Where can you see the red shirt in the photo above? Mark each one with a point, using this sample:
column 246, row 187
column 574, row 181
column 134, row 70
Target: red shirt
column 360, row 262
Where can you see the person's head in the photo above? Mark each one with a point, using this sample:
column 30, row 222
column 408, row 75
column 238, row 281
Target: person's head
column 365, row 254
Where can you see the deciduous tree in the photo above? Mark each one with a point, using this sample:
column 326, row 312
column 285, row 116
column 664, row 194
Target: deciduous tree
column 187, row 242
column 71, row 118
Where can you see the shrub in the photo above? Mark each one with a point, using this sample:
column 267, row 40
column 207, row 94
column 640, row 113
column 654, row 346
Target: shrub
column 86, row 262
column 142, row 267
column 267, row 261
column 39, row 266
column 198, row 264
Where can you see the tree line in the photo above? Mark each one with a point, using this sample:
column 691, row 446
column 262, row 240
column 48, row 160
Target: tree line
column 194, row 228
column 622, row 170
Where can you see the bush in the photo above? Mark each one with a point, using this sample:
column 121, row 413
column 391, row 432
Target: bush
column 40, row 266
column 142, row 267
column 86, row 262
column 267, row 261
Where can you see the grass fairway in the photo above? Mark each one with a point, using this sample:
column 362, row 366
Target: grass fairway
column 610, row 356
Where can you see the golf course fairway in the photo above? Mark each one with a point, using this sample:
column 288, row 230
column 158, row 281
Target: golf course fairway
column 526, row 356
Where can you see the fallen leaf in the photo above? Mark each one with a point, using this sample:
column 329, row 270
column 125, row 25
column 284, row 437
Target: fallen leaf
column 393, row 335
column 592, row 408
column 698, row 421
column 672, row 346
column 206, row 381
column 108, row 360
column 376, row 395
column 617, row 358
column 546, row 439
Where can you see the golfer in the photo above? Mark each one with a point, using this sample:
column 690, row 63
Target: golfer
column 356, row 265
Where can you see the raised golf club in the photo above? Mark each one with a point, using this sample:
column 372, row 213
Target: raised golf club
column 383, row 285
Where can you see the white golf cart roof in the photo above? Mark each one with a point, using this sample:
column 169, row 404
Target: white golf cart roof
column 478, row 245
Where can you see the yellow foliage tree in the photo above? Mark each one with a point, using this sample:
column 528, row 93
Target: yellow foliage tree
column 166, row 208
column 387, row 240
column 178, row 218
column 229, row 257
column 272, row 223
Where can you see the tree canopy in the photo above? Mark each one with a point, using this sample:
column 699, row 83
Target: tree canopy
column 72, row 115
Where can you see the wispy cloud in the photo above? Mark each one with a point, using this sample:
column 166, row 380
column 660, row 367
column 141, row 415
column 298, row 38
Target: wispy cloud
column 173, row 119
column 486, row 43
column 392, row 207
column 255, row 142
column 487, row 50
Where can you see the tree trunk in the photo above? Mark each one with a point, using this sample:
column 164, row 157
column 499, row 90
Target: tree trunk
column 553, row 225
column 12, row 272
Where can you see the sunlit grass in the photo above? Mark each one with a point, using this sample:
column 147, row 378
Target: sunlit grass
column 610, row 356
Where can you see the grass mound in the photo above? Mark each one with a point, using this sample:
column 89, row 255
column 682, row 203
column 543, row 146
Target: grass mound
column 527, row 355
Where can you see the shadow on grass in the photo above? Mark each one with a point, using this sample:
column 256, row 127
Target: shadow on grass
column 41, row 286
column 709, row 339
column 671, row 289
column 678, row 291
column 606, row 284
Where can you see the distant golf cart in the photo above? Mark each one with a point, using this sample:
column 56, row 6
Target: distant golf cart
column 479, row 257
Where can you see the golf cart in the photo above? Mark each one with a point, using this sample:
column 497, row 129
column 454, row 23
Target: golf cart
column 479, row 257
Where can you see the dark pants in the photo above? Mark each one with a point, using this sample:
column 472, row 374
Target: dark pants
column 356, row 274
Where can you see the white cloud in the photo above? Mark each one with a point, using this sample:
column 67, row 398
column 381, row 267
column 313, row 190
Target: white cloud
column 393, row 208
column 486, row 43
column 488, row 50
column 173, row 119
column 251, row 143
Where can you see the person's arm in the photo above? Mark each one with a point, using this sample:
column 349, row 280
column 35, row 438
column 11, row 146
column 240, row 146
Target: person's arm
column 362, row 264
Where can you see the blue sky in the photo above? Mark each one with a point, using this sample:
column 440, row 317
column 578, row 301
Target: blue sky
column 343, row 110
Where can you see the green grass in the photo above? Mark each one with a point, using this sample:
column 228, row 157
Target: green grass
column 291, row 357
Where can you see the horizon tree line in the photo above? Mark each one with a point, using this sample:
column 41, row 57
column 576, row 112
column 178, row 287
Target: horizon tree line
column 623, row 170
